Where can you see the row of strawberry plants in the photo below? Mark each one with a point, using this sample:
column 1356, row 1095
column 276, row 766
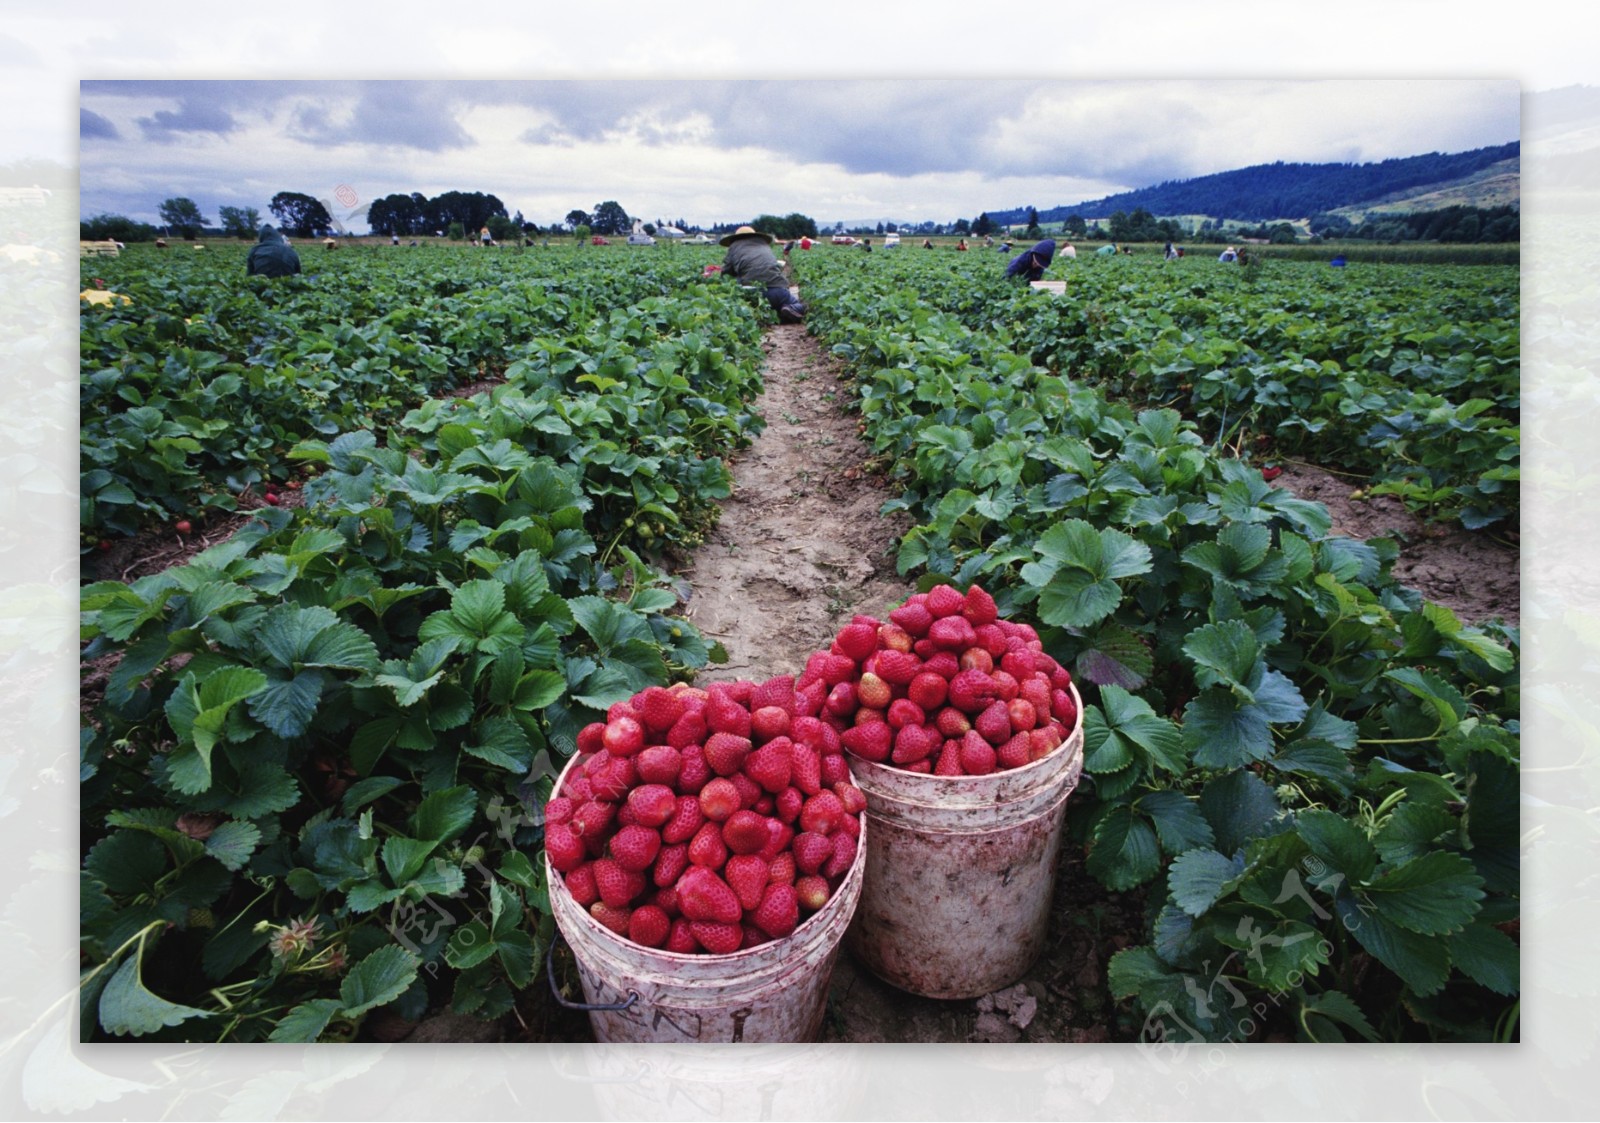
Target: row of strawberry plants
column 319, row 762
column 1314, row 770
column 1408, row 374
column 194, row 388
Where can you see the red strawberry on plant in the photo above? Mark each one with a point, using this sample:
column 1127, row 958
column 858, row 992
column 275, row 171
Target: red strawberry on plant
column 183, row 526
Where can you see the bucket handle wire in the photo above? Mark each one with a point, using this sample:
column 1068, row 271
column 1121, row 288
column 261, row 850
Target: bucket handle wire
column 550, row 973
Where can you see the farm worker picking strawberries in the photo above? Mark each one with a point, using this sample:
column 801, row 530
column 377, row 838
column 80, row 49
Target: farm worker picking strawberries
column 272, row 256
column 750, row 261
column 1031, row 264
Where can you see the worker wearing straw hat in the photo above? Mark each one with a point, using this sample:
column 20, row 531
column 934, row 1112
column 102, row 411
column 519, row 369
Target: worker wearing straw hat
column 750, row 261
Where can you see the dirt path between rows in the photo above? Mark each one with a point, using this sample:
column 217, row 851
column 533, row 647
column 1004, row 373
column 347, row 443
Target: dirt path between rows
column 800, row 547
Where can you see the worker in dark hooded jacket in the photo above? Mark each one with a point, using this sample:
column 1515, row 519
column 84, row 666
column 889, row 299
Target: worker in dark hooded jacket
column 272, row 255
column 750, row 261
column 1031, row 264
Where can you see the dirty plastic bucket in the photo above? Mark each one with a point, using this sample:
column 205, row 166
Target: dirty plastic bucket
column 961, row 870
column 776, row 992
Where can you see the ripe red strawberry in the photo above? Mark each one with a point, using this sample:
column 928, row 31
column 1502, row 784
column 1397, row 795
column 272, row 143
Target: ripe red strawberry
column 1036, row 689
column 649, row 926
column 892, row 637
column 659, row 764
column 745, row 832
column 979, row 607
column 971, row 690
column 724, row 715
column 1016, row 752
column 772, row 764
column 1060, row 678
column 592, row 820
column 808, row 701
column 903, row 712
column 1043, row 741
column 747, row 875
column 805, row 769
column 580, row 883
column 844, row 853
column 914, row 743
column 869, row 742
column 1017, row 664
column 912, row 618
column 945, row 601
column 653, row 805
column 706, row 848
column 702, row 895
column 659, row 708
column 750, row 792
column 816, row 733
column 681, row 938
column 976, row 659
column 611, row 916
column 977, row 755
column 857, row 641
column 719, row 799
column 753, row 937
column 874, row 692
column 951, row 722
column 635, row 847
column 781, row 870
column 993, row 723
column 686, row 819
column 614, row 884
column 897, row 668
column 810, row 850
column 812, row 892
column 925, row 649
column 695, row 771
column 851, row 824
column 834, row 769
column 717, row 939
column 841, row 700
column 624, row 736
column 778, row 911
column 927, row 691
column 690, row 729
column 590, row 737
column 666, row 899
column 1022, row 714
column 1063, row 708
column 952, row 633
column 779, row 836
column 821, row 813
column 559, row 810
column 787, row 805
column 776, row 691
column 615, row 777
column 992, row 638
column 852, row 797
column 726, row 752
column 1005, row 686
column 579, row 790
column 670, row 864
column 837, row 669
column 768, row 722
column 949, row 762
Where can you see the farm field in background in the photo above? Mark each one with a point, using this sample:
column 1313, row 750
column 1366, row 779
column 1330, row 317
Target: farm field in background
column 337, row 724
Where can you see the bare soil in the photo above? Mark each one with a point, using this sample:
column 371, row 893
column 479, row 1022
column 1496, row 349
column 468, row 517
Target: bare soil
column 1473, row 573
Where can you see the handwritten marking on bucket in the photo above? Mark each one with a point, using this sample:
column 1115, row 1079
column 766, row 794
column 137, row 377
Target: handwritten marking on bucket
column 961, row 871
column 775, row 992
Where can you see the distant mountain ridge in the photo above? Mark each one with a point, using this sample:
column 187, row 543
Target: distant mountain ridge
column 1279, row 191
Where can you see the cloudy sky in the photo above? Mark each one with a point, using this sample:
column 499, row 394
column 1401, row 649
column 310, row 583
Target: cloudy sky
column 717, row 150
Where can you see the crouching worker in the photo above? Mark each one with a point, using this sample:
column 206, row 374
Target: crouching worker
column 1031, row 264
column 750, row 261
column 272, row 256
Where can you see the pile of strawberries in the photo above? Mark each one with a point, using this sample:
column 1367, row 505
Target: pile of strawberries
column 945, row 687
column 707, row 820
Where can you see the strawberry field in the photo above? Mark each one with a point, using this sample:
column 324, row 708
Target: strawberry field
column 317, row 765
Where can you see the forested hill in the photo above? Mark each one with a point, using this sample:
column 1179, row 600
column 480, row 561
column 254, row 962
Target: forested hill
column 1283, row 191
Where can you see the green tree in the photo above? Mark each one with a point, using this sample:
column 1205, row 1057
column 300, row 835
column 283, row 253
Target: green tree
column 455, row 231
column 1076, row 225
column 239, row 222
column 983, row 225
column 115, row 227
column 503, row 229
column 582, row 232
column 610, row 218
column 182, row 216
column 577, row 218
column 300, row 214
